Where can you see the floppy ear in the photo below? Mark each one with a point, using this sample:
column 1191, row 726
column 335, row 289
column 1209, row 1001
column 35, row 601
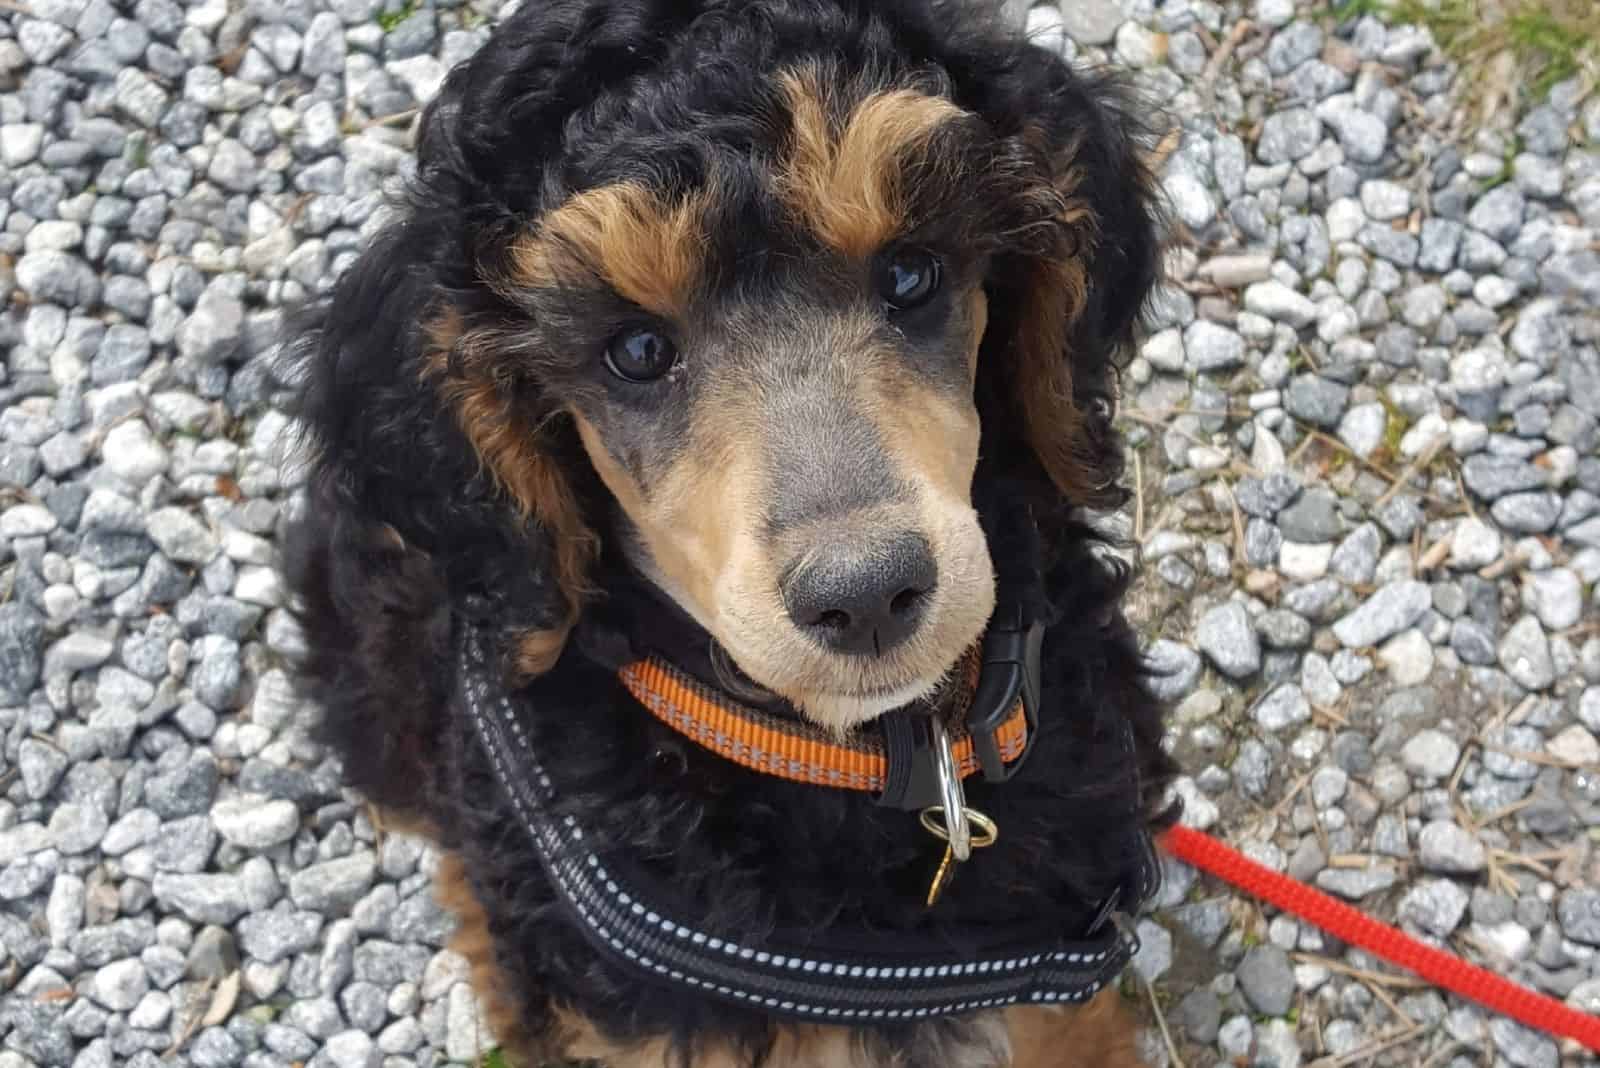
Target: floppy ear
column 440, row 480
column 1064, row 307
column 430, row 446
column 428, row 493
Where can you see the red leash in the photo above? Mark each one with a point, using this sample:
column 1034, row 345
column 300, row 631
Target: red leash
column 1358, row 929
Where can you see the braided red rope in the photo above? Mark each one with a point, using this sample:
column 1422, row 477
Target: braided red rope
column 1358, row 929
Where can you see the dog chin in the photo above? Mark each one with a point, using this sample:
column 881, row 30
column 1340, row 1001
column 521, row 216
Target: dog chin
column 846, row 711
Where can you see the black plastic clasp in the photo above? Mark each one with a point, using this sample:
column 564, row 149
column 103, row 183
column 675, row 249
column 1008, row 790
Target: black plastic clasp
column 913, row 780
column 1011, row 652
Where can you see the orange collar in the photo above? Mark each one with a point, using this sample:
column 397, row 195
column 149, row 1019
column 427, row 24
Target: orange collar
column 805, row 753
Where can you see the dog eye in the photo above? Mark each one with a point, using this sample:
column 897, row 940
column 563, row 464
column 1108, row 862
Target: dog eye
column 908, row 279
column 641, row 355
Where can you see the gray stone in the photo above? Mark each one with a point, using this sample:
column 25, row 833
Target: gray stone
column 323, row 47
column 402, row 1036
column 1355, row 561
column 1525, row 655
column 1439, row 241
column 1313, row 518
column 387, row 964
column 1362, row 428
column 217, row 677
column 279, row 933
column 77, row 828
column 1578, row 912
column 1212, row 348
column 1363, row 136
column 233, row 167
column 1430, row 754
column 185, row 790
column 78, row 651
column 139, row 98
column 1392, row 609
column 203, row 898
column 54, row 277
column 1200, row 1013
column 1573, row 274
column 1228, row 639
column 21, row 651
column 1449, row 849
column 1175, row 668
column 255, row 822
column 120, row 985
column 365, row 1006
column 1504, row 743
column 1498, row 213
column 184, row 845
column 1282, row 629
column 1236, row 1038
column 1288, row 136
column 1384, row 200
column 41, row 766
column 1092, row 22
column 352, row 1049
column 213, row 330
column 1266, row 497
column 182, row 537
column 1555, row 597
column 1436, row 906
column 1267, row 980
column 1492, row 477
column 1528, row 512
column 132, row 453
column 1280, row 708
column 1293, row 45
column 1190, row 200
column 337, row 961
column 1317, row 400
column 129, row 832
column 1353, row 884
column 1522, row 1046
column 334, row 886
column 212, row 955
column 1277, row 1045
column 215, row 1048
column 1278, row 302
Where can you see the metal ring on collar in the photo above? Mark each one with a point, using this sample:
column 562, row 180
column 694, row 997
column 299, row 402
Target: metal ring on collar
column 952, row 797
column 988, row 829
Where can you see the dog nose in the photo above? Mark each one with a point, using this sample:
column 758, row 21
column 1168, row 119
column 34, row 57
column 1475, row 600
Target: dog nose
column 863, row 599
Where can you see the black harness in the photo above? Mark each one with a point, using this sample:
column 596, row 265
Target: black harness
column 856, row 976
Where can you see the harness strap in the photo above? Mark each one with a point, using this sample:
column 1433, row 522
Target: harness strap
column 855, row 976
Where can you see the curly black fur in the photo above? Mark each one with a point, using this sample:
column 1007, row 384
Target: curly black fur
column 404, row 534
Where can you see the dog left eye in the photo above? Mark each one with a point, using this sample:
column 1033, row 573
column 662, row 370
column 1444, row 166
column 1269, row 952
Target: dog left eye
column 641, row 355
column 908, row 279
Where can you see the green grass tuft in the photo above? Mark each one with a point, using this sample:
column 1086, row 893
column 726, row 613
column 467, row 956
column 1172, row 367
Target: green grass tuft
column 1346, row 10
column 388, row 20
column 1549, row 41
column 1561, row 44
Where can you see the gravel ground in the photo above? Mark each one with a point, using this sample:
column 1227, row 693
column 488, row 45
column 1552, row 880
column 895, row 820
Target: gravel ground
column 1366, row 423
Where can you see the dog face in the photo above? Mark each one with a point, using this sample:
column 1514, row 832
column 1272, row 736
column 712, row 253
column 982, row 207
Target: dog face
column 779, row 313
column 786, row 417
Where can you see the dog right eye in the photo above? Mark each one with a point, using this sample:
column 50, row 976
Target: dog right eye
column 641, row 355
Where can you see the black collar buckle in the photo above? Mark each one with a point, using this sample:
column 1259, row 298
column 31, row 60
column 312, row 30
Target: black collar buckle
column 1011, row 654
column 1010, row 671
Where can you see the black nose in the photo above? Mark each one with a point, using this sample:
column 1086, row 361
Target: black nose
column 863, row 598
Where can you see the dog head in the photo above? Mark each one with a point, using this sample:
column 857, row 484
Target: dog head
column 749, row 290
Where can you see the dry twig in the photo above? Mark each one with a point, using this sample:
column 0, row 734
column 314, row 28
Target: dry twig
column 1161, row 1022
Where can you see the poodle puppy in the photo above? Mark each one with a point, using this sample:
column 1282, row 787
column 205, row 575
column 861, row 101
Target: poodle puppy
column 777, row 340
